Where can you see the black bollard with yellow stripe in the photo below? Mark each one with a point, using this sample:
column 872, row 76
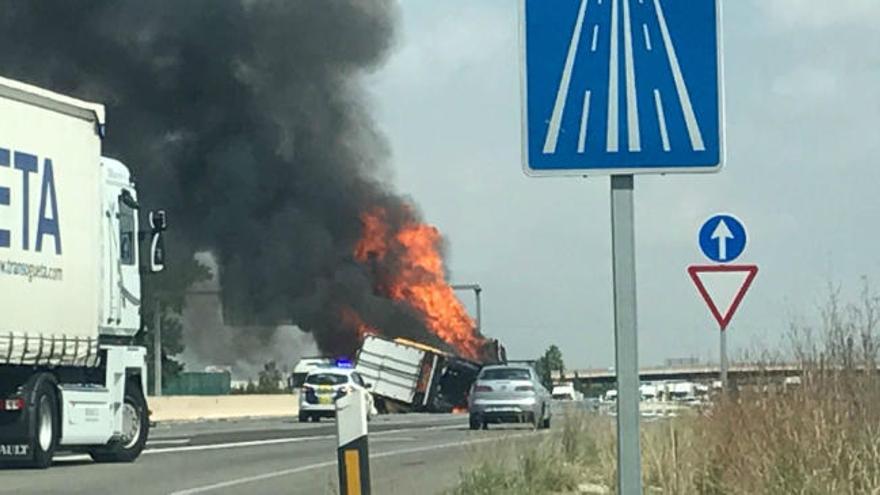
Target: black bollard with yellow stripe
column 353, row 452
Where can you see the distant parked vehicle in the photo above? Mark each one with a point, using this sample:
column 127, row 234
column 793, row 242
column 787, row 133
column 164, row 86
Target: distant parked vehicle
column 508, row 394
column 566, row 391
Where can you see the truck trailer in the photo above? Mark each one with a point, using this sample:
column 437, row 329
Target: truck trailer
column 408, row 376
column 70, row 286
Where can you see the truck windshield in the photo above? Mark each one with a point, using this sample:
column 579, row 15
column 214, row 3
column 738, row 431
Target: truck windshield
column 506, row 374
column 326, row 379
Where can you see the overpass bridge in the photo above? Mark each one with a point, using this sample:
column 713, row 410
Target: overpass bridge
column 741, row 372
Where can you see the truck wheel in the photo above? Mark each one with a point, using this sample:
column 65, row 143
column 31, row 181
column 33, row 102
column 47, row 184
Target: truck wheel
column 46, row 423
column 135, row 428
column 303, row 417
column 546, row 423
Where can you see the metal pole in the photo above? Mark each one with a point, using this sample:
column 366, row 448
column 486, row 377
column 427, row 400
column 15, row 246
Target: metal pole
column 157, row 349
column 724, row 360
column 478, row 290
column 629, row 471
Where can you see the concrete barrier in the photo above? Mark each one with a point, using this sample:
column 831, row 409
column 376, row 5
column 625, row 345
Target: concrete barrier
column 195, row 407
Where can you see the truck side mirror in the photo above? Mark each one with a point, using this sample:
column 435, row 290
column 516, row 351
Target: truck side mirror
column 157, row 252
column 158, row 221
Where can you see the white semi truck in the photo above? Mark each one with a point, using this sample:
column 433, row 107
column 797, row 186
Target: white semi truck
column 70, row 288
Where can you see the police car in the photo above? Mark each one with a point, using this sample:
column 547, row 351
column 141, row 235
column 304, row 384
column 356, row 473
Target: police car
column 323, row 385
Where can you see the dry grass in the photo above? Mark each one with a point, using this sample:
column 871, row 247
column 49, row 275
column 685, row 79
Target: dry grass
column 821, row 437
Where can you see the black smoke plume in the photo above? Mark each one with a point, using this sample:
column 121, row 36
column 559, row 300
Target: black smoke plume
column 247, row 121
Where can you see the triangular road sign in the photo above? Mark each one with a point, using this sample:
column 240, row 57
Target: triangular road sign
column 723, row 287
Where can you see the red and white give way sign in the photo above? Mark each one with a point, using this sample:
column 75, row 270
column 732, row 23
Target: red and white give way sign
column 723, row 288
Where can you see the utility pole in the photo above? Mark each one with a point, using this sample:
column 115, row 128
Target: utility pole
column 477, row 290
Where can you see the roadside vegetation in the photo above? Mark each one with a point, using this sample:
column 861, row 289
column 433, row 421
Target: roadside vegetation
column 819, row 436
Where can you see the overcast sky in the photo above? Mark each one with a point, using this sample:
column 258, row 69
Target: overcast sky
column 803, row 99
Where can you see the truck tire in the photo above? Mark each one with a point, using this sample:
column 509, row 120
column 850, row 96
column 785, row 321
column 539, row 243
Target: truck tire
column 46, row 422
column 135, row 427
column 303, row 417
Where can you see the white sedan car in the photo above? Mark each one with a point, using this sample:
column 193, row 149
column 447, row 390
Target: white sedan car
column 323, row 386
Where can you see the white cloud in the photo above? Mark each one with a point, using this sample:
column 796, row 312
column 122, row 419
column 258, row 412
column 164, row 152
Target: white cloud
column 806, row 82
column 819, row 14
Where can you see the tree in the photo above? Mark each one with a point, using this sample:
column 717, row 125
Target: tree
column 269, row 379
column 551, row 361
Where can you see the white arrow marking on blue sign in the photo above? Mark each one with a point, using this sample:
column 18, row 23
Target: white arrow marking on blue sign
column 559, row 107
column 684, row 98
column 551, row 139
column 722, row 233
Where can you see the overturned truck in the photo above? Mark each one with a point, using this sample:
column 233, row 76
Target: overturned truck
column 408, row 376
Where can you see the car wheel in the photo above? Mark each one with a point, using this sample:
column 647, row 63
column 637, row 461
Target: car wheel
column 303, row 417
column 135, row 429
column 474, row 422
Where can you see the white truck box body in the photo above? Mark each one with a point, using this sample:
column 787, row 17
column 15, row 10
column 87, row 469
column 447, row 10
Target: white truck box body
column 392, row 370
column 49, row 282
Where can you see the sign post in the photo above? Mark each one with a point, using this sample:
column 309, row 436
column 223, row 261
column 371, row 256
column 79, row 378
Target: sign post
column 622, row 87
column 722, row 238
column 625, row 334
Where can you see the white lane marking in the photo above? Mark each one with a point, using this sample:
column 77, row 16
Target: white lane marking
column 394, row 439
column 562, row 94
column 595, row 38
column 661, row 119
column 632, row 102
column 611, row 143
column 276, row 441
column 324, row 464
column 170, row 441
column 253, row 443
column 647, row 37
column 251, row 479
column 683, row 97
column 585, row 113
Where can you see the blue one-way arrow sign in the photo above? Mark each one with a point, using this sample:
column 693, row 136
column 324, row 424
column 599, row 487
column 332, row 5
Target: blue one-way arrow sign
column 723, row 238
column 622, row 86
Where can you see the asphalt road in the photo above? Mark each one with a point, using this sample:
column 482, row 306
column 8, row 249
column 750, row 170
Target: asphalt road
column 409, row 454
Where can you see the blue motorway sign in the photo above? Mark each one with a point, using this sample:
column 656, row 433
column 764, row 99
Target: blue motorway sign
column 622, row 86
column 723, row 238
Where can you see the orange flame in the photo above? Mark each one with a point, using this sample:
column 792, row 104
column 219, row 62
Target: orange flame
column 418, row 278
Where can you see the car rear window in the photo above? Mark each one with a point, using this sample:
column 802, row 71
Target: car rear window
column 506, row 374
column 326, row 379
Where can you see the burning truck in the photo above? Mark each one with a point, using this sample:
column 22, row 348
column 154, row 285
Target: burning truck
column 405, row 375
column 433, row 368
